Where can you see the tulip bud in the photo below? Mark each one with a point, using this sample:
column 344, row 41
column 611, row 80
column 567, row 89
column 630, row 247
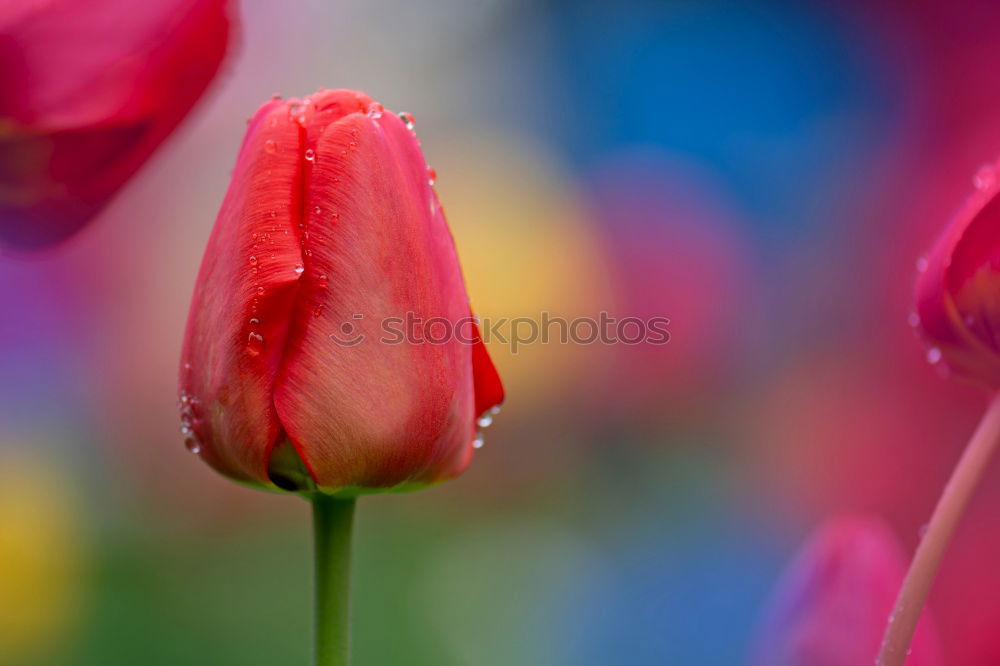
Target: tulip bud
column 91, row 89
column 309, row 358
column 831, row 606
column 958, row 289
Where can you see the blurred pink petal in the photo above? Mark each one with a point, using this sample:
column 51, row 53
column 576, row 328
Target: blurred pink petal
column 94, row 87
column 831, row 606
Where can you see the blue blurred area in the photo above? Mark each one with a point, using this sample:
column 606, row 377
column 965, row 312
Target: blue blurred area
column 776, row 98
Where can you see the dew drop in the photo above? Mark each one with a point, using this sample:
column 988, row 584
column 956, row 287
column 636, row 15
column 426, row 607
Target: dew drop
column 495, row 410
column 253, row 260
column 913, row 319
column 376, row 110
column 431, row 175
column 922, row 264
column 933, row 355
column 270, row 146
column 985, row 177
column 254, row 321
column 299, row 268
column 485, row 421
column 260, row 291
column 190, row 438
column 255, row 341
column 318, row 210
column 310, row 154
column 478, row 442
column 407, row 118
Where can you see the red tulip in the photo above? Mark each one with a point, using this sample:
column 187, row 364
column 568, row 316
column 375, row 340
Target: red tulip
column 831, row 606
column 958, row 289
column 92, row 87
column 330, row 228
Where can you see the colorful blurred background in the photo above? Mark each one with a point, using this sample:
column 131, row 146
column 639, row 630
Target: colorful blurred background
column 765, row 174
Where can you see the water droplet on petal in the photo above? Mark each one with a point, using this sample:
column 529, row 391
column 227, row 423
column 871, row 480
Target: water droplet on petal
column 375, row 111
column 260, row 291
column 478, row 442
column 485, row 421
column 255, row 341
column 253, row 260
column 270, row 146
column 407, row 118
column 985, row 177
column 299, row 268
column 190, row 438
column 254, row 321
column 921, row 264
column 933, row 355
column 318, row 210
column 310, row 154
column 495, row 410
column 431, row 175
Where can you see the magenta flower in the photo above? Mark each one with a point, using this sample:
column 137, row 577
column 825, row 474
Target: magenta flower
column 831, row 605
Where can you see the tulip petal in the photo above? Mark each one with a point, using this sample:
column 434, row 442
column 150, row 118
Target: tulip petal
column 832, row 605
column 96, row 86
column 243, row 300
column 956, row 304
column 489, row 389
column 375, row 414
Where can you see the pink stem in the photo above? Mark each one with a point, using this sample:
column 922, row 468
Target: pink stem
column 949, row 509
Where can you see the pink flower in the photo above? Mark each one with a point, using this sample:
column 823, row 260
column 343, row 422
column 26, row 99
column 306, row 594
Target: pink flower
column 91, row 89
column 831, row 605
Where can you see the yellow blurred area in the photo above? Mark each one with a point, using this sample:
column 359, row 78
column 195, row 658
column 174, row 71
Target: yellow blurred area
column 40, row 557
column 526, row 246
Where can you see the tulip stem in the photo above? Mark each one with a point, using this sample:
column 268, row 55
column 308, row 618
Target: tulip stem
column 949, row 509
column 332, row 522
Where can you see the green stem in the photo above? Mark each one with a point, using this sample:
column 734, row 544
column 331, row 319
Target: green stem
column 332, row 522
